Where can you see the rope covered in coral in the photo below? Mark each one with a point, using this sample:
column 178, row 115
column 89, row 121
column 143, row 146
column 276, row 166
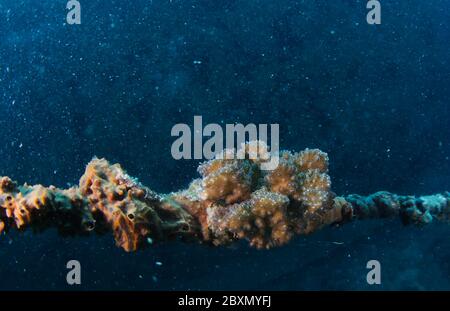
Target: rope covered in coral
column 234, row 199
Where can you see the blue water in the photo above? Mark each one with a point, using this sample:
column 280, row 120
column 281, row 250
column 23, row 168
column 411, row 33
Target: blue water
column 374, row 97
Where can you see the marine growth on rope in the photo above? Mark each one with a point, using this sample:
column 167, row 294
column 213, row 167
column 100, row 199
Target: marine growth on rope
column 232, row 199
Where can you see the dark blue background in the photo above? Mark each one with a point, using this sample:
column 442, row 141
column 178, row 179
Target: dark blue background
column 376, row 98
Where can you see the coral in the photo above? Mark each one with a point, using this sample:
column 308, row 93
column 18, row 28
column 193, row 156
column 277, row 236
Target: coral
column 315, row 190
column 133, row 211
column 303, row 178
column 285, row 178
column 190, row 201
column 234, row 199
column 25, row 205
column 229, row 181
column 312, row 159
column 262, row 220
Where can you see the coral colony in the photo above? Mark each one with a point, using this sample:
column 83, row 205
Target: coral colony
column 233, row 199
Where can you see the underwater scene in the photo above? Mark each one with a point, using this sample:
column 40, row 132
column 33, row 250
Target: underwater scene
column 224, row 145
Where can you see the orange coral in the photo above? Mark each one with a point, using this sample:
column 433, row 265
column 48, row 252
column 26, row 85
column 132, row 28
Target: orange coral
column 110, row 191
column 36, row 205
column 129, row 207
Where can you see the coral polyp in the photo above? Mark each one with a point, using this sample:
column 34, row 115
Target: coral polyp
column 234, row 199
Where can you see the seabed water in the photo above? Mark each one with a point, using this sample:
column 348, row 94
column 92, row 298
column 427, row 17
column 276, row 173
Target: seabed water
column 366, row 82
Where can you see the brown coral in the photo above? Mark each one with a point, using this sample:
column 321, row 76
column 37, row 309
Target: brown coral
column 262, row 220
column 190, row 201
column 315, row 190
column 226, row 180
column 284, row 178
column 312, row 159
